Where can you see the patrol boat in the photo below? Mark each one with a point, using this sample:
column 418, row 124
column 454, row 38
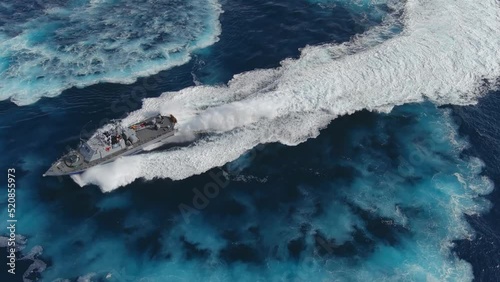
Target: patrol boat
column 107, row 145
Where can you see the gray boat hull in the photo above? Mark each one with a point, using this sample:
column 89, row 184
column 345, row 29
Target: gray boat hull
column 146, row 137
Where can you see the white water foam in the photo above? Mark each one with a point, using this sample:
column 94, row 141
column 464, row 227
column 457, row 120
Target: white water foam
column 55, row 46
column 447, row 53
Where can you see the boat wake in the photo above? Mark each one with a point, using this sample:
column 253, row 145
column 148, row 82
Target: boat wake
column 382, row 203
column 447, row 53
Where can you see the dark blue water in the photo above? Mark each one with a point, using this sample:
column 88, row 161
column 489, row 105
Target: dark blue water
column 375, row 195
column 480, row 124
column 273, row 31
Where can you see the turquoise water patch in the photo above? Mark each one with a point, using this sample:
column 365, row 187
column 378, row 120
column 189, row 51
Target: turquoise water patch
column 60, row 45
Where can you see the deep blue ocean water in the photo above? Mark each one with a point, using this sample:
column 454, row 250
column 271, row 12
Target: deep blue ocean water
column 375, row 195
column 480, row 124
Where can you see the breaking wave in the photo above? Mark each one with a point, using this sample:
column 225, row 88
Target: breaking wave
column 446, row 53
column 49, row 46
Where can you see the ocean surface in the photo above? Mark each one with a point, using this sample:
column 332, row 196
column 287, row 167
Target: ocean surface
column 343, row 140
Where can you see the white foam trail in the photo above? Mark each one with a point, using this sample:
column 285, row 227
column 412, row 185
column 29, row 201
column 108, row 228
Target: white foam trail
column 446, row 52
column 121, row 172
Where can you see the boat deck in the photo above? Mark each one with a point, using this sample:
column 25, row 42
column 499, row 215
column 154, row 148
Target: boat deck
column 147, row 135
